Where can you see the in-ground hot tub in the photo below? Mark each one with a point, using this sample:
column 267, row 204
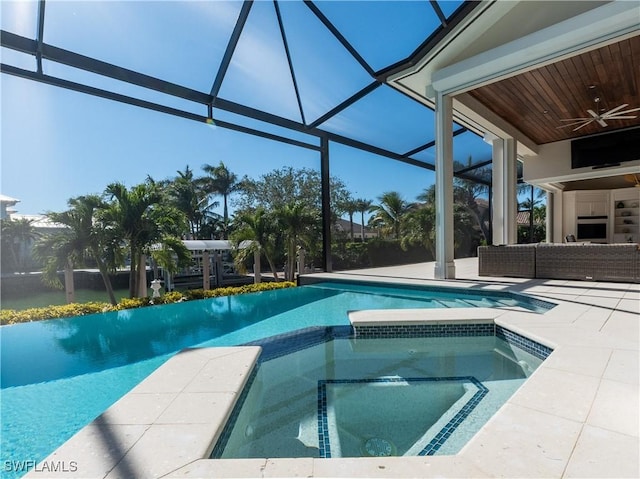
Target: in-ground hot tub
column 346, row 396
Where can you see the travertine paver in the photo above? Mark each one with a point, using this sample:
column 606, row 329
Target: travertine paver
column 624, row 366
column 600, row 453
column 580, row 360
column 615, row 407
column 523, row 442
column 161, row 448
column 160, row 425
column 540, row 392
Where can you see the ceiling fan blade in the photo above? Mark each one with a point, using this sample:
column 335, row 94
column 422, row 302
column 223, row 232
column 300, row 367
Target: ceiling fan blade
column 633, row 179
column 613, row 110
column 622, row 112
column 585, row 124
column 616, row 113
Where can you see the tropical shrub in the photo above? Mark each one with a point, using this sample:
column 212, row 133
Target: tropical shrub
column 132, row 303
column 10, row 316
column 347, row 255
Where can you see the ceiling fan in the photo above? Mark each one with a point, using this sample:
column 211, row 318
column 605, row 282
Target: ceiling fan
column 633, row 178
column 613, row 114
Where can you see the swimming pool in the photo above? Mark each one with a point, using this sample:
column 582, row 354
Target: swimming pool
column 58, row 375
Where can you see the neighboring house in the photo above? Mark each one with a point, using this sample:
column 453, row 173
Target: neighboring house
column 40, row 223
column 483, row 204
column 344, row 226
column 522, row 219
column 6, row 203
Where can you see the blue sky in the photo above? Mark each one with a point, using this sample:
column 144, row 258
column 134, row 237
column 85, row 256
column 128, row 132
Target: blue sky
column 57, row 144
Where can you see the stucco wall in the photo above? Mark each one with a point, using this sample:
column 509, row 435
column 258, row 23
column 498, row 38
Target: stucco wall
column 553, row 164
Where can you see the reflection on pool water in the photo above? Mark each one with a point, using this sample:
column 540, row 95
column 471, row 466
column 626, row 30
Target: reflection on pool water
column 373, row 397
column 58, row 375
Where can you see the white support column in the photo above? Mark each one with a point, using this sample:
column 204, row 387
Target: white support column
column 497, row 191
column 511, row 180
column 505, row 200
column 445, row 267
column 558, row 217
column 549, row 218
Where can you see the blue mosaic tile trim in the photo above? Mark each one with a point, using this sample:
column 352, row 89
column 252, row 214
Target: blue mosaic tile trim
column 538, row 305
column 538, row 350
column 218, row 449
column 425, row 330
column 444, row 433
column 434, row 444
column 287, row 343
column 324, row 447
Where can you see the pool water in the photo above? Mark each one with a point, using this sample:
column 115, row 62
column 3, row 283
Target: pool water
column 58, row 375
column 375, row 397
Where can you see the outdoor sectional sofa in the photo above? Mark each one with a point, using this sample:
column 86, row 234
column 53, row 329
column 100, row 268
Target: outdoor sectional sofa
column 591, row 262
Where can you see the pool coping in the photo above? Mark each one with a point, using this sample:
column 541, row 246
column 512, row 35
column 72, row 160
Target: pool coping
column 169, row 423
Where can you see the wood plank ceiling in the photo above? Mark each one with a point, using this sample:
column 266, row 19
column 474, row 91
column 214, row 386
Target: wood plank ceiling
column 537, row 100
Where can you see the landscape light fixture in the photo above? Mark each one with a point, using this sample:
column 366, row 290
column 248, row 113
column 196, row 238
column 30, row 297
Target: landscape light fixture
column 209, row 121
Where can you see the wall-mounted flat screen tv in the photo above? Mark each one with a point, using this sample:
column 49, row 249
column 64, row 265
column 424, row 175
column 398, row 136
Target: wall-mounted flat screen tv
column 592, row 231
column 606, row 150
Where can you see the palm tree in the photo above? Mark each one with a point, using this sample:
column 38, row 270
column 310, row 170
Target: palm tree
column 16, row 235
column 420, row 227
column 296, row 221
column 187, row 195
column 540, row 213
column 389, row 213
column 530, row 204
column 257, row 228
column 221, row 182
column 350, row 207
column 213, row 226
column 468, row 192
column 428, row 195
column 84, row 235
column 60, row 251
column 421, row 220
column 362, row 206
column 143, row 221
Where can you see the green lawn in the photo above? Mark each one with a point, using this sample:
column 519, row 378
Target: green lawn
column 38, row 300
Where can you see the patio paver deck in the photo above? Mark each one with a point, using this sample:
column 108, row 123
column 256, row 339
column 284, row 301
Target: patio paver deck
column 576, row 416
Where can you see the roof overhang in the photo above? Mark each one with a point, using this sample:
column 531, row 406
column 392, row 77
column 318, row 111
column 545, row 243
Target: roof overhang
column 7, row 200
column 504, row 39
